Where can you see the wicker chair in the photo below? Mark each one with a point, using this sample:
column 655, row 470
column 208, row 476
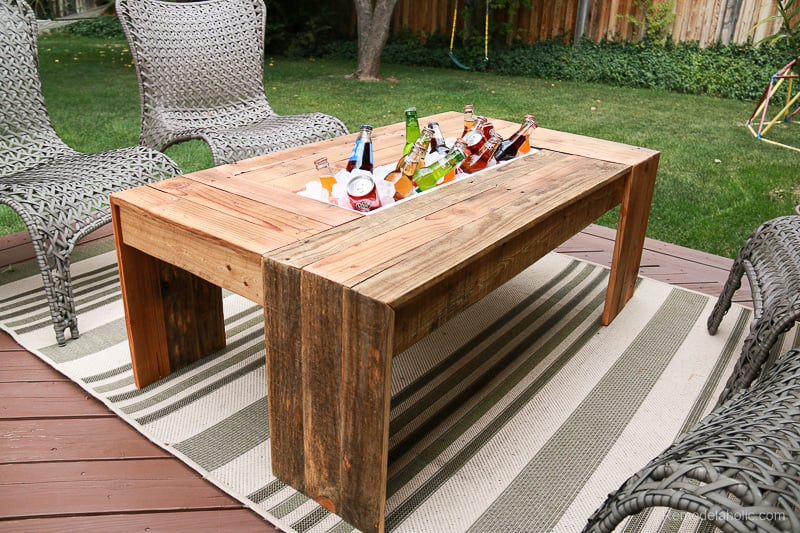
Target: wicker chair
column 738, row 468
column 771, row 259
column 201, row 76
column 60, row 194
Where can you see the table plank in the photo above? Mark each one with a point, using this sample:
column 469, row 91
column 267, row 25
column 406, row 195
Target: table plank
column 262, row 202
column 337, row 422
column 601, row 149
column 211, row 240
column 286, row 215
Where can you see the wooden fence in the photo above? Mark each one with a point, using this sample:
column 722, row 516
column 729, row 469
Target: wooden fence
column 704, row 21
column 61, row 8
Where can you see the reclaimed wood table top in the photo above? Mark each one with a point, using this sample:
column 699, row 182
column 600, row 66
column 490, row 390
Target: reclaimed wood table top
column 228, row 218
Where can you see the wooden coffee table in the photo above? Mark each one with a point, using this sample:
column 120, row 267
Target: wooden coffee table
column 342, row 291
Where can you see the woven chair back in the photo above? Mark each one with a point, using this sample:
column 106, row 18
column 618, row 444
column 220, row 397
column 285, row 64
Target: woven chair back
column 27, row 137
column 199, row 64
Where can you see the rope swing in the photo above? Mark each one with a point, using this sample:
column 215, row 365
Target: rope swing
column 485, row 59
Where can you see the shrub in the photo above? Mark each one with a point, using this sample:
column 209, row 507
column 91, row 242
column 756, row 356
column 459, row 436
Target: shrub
column 103, row 26
column 737, row 71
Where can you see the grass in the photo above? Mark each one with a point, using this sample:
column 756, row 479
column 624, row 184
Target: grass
column 715, row 183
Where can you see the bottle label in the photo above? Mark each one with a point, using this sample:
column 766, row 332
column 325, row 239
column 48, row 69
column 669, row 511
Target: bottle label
column 356, row 148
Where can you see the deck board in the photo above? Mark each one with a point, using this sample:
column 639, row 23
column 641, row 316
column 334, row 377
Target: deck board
column 111, row 478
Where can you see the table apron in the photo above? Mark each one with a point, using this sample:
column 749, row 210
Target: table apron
column 464, row 285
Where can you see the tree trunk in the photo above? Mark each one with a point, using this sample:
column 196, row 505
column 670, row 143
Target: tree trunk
column 374, row 19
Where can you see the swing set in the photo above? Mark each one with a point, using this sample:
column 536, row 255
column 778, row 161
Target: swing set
column 485, row 59
column 786, row 75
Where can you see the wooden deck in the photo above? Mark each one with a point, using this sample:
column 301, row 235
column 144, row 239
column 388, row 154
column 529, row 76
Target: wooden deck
column 69, row 464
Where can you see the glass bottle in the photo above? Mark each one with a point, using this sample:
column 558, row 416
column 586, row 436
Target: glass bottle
column 424, row 139
column 361, row 158
column 474, row 138
column 469, row 119
column 481, row 159
column 516, row 144
column 402, row 176
column 487, row 128
column 459, row 144
column 428, row 177
column 325, row 174
column 438, row 144
column 412, row 129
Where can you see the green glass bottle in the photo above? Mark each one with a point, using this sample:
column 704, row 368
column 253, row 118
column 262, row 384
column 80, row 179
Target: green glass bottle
column 427, row 177
column 412, row 129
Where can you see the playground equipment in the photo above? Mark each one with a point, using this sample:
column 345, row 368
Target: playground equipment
column 485, row 59
column 786, row 75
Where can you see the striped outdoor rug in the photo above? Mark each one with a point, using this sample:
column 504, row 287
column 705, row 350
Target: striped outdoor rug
column 521, row 414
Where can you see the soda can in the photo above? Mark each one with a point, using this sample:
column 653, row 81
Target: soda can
column 362, row 193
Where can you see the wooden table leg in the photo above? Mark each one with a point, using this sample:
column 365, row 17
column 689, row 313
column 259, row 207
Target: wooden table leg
column 633, row 217
column 329, row 381
column 173, row 317
column 365, row 403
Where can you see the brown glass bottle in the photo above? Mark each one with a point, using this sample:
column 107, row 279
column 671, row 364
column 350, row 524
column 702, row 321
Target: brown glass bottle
column 482, row 158
column 438, row 144
column 513, row 145
column 361, row 158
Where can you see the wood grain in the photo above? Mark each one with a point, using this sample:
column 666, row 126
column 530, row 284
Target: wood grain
column 342, row 291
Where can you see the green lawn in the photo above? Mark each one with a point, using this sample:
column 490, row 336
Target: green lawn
column 715, row 182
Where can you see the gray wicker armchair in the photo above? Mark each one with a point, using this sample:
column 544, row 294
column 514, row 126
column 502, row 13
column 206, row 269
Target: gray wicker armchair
column 201, row 76
column 60, row 194
column 771, row 259
column 738, row 468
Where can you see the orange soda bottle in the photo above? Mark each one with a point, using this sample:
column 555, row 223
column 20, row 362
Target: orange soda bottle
column 469, row 118
column 461, row 145
column 325, row 174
